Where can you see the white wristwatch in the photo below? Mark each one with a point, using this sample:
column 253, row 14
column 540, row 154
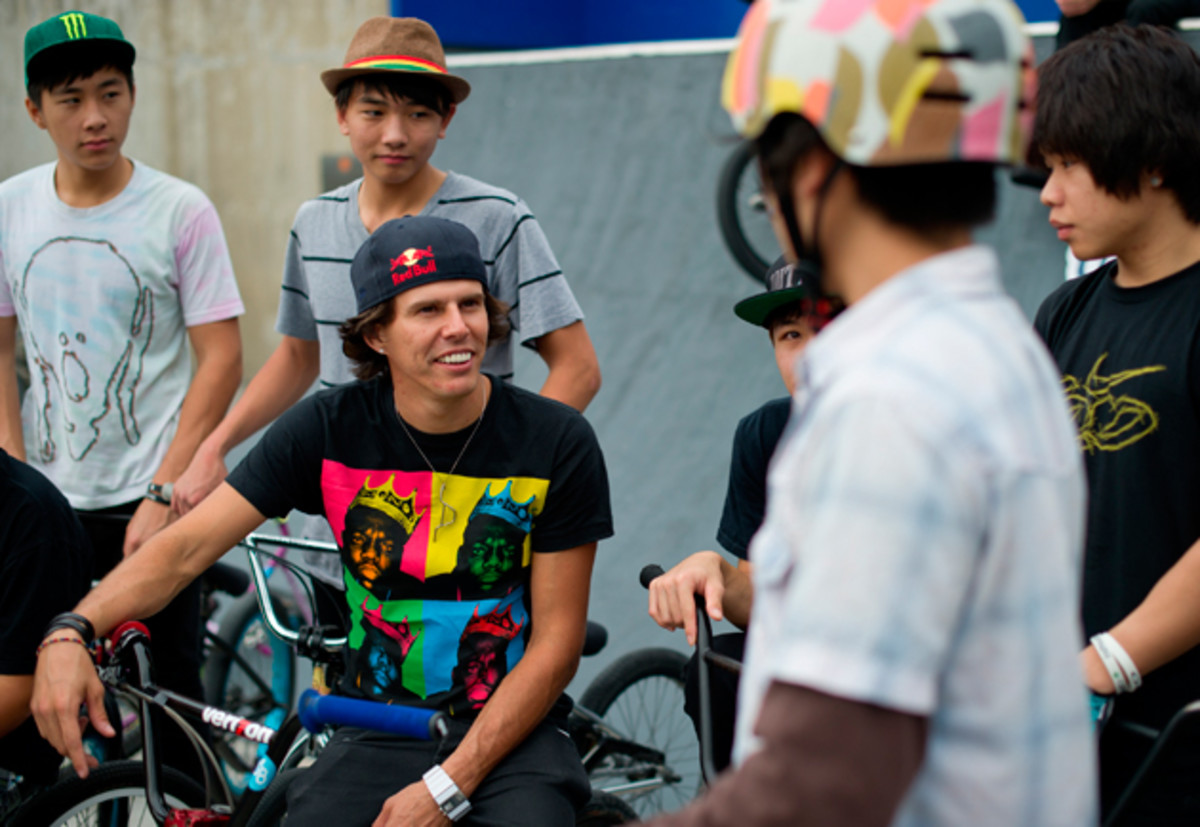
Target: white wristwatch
column 446, row 793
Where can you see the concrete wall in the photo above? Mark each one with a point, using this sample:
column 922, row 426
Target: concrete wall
column 228, row 97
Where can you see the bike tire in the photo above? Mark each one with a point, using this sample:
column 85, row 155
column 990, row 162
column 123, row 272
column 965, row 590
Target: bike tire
column 272, row 807
column 605, row 809
column 113, row 793
column 737, row 218
column 640, row 695
column 228, row 686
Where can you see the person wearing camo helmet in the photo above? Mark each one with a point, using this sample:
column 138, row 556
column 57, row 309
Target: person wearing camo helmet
column 913, row 641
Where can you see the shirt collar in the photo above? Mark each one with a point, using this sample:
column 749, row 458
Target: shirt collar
column 866, row 327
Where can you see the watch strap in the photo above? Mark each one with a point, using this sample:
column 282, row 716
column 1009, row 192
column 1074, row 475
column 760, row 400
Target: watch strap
column 450, row 799
column 160, row 494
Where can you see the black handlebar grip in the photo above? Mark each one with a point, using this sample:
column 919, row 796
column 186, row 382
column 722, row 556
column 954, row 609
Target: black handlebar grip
column 649, row 573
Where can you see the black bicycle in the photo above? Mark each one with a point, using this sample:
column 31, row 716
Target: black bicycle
column 742, row 213
column 146, row 792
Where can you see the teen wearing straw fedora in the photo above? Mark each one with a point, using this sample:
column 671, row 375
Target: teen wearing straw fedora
column 394, row 101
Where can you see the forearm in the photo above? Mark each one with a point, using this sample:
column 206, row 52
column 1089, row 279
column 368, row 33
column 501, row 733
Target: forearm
column 824, row 760
column 738, row 599
column 573, row 386
column 1167, row 623
column 574, row 377
column 143, row 583
column 519, row 704
column 218, row 373
column 288, row 372
column 11, row 438
column 15, row 692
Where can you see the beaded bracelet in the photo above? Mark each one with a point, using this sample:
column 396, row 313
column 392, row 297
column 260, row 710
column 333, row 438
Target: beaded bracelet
column 51, row 640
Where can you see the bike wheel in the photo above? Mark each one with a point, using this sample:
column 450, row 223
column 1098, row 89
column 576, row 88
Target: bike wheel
column 640, row 696
column 251, row 673
column 272, row 807
column 742, row 215
column 112, row 794
column 603, row 810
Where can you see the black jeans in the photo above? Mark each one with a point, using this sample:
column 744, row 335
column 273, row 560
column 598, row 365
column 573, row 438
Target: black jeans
column 540, row 782
column 175, row 633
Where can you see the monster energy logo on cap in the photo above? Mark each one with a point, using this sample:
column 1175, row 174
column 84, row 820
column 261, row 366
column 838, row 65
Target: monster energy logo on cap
column 75, row 27
column 75, row 23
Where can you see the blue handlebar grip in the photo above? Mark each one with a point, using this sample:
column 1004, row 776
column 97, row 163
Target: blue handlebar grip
column 316, row 710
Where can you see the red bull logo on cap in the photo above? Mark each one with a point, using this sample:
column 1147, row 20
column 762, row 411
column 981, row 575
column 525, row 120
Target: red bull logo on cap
column 411, row 263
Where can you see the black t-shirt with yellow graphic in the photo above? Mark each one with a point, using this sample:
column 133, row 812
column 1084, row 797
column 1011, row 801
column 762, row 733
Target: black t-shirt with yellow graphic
column 1130, row 359
column 436, row 565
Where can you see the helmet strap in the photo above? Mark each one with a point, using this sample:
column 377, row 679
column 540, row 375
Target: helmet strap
column 805, row 252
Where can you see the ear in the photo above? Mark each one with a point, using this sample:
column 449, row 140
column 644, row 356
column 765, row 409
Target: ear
column 341, row 119
column 132, row 94
column 446, row 120
column 373, row 339
column 35, row 113
column 810, row 174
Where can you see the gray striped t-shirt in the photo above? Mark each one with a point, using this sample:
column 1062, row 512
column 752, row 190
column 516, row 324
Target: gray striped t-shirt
column 317, row 295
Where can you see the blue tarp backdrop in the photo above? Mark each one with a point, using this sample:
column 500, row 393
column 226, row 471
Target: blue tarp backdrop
column 539, row 24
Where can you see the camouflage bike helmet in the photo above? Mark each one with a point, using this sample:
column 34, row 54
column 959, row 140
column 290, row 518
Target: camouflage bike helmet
column 888, row 82
column 885, row 83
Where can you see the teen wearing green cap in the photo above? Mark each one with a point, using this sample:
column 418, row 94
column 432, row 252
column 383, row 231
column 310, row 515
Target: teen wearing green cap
column 114, row 271
column 394, row 100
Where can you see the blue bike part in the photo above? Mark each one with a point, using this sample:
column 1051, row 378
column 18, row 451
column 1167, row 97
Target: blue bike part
column 1101, row 709
column 316, row 711
column 264, row 773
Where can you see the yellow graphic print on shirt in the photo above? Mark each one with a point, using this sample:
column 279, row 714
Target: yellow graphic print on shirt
column 1107, row 420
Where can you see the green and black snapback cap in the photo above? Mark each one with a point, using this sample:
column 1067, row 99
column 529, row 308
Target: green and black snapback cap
column 73, row 27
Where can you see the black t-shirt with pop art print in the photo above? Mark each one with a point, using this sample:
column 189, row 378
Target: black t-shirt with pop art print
column 436, row 565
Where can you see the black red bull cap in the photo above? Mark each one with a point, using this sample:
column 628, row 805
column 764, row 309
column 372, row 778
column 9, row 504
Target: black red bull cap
column 410, row 252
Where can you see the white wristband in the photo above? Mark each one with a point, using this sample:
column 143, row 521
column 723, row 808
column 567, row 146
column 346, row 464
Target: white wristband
column 446, row 793
column 1120, row 667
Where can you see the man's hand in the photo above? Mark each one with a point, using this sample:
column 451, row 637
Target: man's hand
column 1074, row 8
column 149, row 519
column 411, row 807
column 64, row 679
column 672, row 604
column 204, row 473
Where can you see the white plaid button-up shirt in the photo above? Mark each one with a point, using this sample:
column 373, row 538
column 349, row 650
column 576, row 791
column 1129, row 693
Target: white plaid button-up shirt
column 922, row 545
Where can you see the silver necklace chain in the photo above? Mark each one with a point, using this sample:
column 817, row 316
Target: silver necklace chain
column 445, row 505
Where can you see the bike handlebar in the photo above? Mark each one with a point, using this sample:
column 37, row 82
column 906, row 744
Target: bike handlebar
column 703, row 657
column 316, row 711
column 649, row 573
column 265, row 605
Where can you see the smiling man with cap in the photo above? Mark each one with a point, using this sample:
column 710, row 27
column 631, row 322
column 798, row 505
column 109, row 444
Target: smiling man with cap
column 424, row 442
column 394, row 100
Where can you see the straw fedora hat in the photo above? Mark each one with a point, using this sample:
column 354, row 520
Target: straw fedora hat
column 396, row 44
